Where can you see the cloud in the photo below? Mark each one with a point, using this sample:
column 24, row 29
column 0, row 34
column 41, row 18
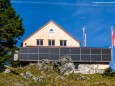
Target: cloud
column 36, row 2
column 104, row 2
column 55, row 3
column 78, row 3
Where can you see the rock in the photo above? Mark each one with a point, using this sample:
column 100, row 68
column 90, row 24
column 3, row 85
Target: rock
column 19, row 84
column 65, row 65
column 45, row 61
column 7, row 71
column 48, row 76
column 39, row 66
column 81, row 77
column 59, row 77
column 34, row 79
column 28, row 75
column 40, row 80
column 21, row 74
column 43, row 74
column 50, row 68
column 66, row 73
column 45, row 67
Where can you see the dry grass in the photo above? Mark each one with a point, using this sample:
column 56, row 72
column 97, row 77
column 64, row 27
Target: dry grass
column 13, row 78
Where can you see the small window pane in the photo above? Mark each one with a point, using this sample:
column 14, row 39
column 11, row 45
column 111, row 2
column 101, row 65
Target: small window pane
column 37, row 42
column 41, row 42
column 53, row 43
column 61, row 43
column 49, row 43
column 64, row 43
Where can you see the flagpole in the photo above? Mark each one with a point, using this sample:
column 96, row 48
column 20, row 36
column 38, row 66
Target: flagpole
column 84, row 37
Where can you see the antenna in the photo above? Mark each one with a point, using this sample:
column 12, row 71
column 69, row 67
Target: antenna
column 84, row 37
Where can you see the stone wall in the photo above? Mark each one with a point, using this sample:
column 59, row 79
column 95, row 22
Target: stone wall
column 91, row 68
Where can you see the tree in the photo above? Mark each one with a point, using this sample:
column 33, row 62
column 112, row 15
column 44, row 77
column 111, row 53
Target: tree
column 11, row 30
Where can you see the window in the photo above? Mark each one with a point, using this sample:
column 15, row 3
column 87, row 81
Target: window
column 25, row 44
column 62, row 42
column 51, row 42
column 76, row 66
column 40, row 42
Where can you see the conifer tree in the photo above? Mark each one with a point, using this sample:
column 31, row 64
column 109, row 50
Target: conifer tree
column 11, row 30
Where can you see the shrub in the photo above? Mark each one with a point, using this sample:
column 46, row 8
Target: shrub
column 109, row 72
column 15, row 63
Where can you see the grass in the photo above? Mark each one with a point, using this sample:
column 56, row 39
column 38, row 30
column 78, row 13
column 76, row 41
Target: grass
column 50, row 78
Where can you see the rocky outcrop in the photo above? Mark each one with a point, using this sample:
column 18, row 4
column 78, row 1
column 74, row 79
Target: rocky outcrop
column 65, row 65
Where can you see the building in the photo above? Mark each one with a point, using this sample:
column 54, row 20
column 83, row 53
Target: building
column 51, row 35
column 52, row 42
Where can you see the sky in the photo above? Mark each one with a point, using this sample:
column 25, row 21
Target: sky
column 97, row 16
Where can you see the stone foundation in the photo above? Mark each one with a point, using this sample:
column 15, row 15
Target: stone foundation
column 91, row 68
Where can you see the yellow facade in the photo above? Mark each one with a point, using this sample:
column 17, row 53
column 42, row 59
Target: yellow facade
column 51, row 31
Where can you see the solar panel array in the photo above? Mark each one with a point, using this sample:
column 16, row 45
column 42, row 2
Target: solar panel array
column 77, row 54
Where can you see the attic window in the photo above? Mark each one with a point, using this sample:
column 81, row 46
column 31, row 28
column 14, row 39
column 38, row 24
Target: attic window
column 51, row 42
column 40, row 42
column 62, row 42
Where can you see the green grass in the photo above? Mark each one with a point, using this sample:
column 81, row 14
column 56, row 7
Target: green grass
column 13, row 78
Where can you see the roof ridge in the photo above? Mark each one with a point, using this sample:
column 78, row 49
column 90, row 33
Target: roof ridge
column 56, row 25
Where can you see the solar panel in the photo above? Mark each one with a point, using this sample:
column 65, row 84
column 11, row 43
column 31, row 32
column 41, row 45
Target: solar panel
column 64, row 51
column 77, row 54
column 43, row 56
column 54, row 50
column 23, row 57
column 75, row 57
column 43, row 50
column 95, row 51
column 54, row 56
column 33, row 56
column 75, row 50
column 85, row 57
column 33, row 50
column 106, row 51
column 95, row 57
column 106, row 57
column 23, row 50
column 85, row 50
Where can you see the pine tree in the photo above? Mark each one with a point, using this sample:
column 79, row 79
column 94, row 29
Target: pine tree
column 11, row 30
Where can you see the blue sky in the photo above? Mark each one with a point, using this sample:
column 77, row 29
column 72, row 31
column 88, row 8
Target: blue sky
column 96, row 15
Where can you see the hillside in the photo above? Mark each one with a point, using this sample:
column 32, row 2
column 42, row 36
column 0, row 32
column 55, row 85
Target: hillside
column 50, row 77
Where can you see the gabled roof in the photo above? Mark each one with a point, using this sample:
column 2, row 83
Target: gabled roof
column 56, row 25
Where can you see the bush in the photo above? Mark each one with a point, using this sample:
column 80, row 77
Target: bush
column 2, row 68
column 109, row 72
column 15, row 63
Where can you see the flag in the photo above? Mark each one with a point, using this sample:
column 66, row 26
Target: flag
column 113, row 37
